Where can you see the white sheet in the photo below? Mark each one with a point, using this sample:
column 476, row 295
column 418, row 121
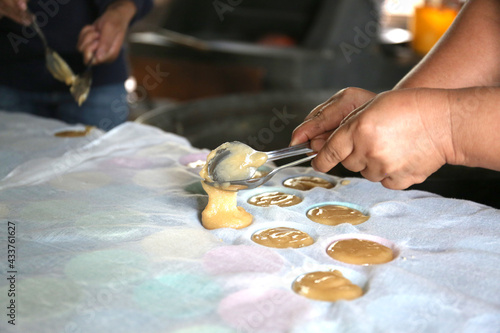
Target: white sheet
column 108, row 239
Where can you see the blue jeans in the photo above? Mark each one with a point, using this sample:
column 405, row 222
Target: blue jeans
column 105, row 107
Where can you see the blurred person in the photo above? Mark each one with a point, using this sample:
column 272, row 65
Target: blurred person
column 444, row 111
column 76, row 30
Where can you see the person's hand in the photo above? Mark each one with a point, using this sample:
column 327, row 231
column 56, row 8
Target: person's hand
column 326, row 117
column 15, row 10
column 105, row 36
column 398, row 138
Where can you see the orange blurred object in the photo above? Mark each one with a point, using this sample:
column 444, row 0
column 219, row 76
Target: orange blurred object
column 278, row 40
column 429, row 24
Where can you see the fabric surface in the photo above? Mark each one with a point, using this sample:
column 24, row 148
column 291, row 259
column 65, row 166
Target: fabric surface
column 108, row 239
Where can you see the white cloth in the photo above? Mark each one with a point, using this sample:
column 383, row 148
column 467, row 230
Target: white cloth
column 108, row 239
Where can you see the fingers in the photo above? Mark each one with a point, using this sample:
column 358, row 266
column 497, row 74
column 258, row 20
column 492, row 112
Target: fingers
column 316, row 123
column 372, row 173
column 109, row 47
column 337, row 148
column 15, row 10
column 88, row 40
column 112, row 33
column 393, row 176
column 86, row 34
column 403, row 178
column 321, row 107
column 319, row 141
column 384, row 139
column 327, row 116
column 103, row 39
column 89, row 52
column 22, row 5
column 355, row 162
column 355, row 112
column 397, row 183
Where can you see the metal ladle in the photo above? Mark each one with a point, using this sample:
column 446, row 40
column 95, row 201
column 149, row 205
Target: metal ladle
column 249, row 183
column 56, row 65
column 81, row 84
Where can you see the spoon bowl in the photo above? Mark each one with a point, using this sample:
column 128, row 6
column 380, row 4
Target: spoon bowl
column 80, row 87
column 250, row 183
column 218, row 180
column 56, row 65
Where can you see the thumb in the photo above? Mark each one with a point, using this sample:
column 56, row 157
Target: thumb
column 337, row 148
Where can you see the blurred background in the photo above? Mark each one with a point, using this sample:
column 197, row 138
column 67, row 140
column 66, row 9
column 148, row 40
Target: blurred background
column 213, row 48
column 251, row 70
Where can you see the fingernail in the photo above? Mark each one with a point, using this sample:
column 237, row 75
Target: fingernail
column 313, row 163
column 100, row 54
column 26, row 21
column 22, row 5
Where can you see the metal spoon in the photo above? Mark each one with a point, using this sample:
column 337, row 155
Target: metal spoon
column 56, row 65
column 81, row 84
column 219, row 180
column 247, row 184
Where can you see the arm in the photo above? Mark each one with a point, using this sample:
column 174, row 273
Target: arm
column 468, row 55
column 142, row 7
column 475, row 127
column 458, row 126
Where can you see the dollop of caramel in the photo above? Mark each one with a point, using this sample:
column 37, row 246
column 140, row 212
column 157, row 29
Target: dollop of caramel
column 74, row 134
column 282, row 237
column 221, row 210
column 274, row 199
column 241, row 163
column 336, row 214
column 305, row 183
column 327, row 286
column 359, row 252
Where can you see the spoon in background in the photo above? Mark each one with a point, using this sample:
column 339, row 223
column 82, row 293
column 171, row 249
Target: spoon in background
column 56, row 65
column 80, row 87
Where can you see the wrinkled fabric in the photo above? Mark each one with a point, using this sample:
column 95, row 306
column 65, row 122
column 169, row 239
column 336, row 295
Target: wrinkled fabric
column 108, row 239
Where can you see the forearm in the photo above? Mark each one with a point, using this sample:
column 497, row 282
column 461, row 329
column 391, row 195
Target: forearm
column 141, row 7
column 126, row 9
column 475, row 127
column 468, row 55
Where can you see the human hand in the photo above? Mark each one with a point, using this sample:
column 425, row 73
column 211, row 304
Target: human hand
column 16, row 10
column 399, row 138
column 105, row 36
column 326, row 117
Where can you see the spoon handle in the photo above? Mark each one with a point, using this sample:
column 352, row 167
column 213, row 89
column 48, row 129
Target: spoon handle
column 294, row 163
column 299, row 149
column 91, row 63
column 39, row 31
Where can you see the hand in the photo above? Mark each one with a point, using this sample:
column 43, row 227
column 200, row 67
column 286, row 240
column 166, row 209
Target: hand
column 326, row 117
column 399, row 138
column 15, row 10
column 105, row 36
